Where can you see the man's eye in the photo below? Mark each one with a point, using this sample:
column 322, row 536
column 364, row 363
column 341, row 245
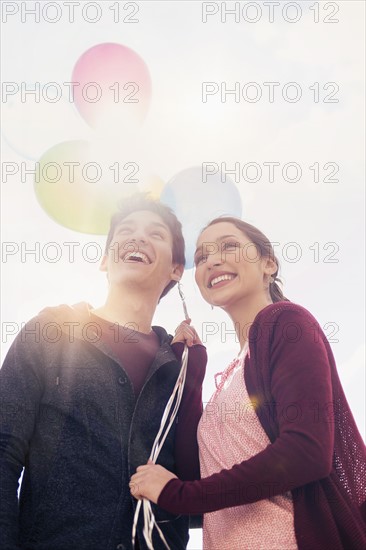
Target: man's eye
column 122, row 230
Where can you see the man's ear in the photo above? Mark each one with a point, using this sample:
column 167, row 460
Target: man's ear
column 177, row 272
column 103, row 263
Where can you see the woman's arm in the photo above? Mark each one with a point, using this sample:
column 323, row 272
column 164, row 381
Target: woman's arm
column 301, row 388
column 190, row 411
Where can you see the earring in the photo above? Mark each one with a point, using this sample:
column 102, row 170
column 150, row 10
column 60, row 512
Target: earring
column 271, row 280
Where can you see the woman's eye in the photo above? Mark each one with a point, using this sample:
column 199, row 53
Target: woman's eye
column 158, row 234
column 226, row 246
column 200, row 260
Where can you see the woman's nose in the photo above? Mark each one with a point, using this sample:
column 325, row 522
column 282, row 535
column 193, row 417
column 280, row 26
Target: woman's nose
column 214, row 259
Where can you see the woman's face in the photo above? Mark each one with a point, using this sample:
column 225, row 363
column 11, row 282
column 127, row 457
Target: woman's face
column 229, row 267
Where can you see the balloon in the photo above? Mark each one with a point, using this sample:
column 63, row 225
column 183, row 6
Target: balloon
column 112, row 87
column 153, row 185
column 196, row 202
column 76, row 190
column 29, row 127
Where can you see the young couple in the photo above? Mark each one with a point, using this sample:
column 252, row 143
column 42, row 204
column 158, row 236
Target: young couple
column 83, row 391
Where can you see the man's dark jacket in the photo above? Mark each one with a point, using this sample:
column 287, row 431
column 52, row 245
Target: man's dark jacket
column 68, row 415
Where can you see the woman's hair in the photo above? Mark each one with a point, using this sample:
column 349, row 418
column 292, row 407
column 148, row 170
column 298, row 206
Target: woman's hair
column 263, row 246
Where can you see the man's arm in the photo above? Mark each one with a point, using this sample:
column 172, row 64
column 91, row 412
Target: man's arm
column 20, row 393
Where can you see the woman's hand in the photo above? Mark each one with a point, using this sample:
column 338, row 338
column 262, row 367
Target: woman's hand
column 149, row 480
column 187, row 334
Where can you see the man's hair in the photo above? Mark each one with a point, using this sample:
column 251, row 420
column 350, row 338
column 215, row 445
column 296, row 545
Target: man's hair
column 142, row 201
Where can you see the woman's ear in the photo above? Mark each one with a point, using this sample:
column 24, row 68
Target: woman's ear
column 104, row 263
column 177, row 272
column 270, row 266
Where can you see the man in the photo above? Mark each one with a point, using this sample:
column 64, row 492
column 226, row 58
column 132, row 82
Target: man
column 82, row 394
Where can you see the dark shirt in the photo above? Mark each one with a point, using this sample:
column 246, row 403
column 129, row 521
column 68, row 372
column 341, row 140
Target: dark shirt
column 134, row 350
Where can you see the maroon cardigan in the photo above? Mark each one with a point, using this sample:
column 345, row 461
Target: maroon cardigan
column 316, row 451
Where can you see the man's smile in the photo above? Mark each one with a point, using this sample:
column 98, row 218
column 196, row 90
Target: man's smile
column 136, row 257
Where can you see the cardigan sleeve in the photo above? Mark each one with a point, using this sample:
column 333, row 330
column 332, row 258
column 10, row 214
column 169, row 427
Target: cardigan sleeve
column 190, row 411
column 301, row 388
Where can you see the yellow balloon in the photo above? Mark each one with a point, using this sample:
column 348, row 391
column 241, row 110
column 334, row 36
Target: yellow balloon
column 78, row 191
column 154, row 186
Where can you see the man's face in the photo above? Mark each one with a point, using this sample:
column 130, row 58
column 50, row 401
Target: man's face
column 140, row 253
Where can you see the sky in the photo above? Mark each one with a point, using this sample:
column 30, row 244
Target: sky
column 264, row 99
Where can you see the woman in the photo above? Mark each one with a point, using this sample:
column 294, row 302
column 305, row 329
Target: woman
column 282, row 462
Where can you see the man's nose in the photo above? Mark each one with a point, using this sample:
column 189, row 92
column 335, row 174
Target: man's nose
column 139, row 236
column 135, row 241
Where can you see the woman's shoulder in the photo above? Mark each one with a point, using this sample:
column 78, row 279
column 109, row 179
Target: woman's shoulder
column 284, row 311
column 284, row 323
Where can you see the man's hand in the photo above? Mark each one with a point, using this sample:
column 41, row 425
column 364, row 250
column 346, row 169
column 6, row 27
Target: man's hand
column 149, row 480
column 187, row 334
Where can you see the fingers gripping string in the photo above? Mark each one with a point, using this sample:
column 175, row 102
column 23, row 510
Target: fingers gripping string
column 168, row 417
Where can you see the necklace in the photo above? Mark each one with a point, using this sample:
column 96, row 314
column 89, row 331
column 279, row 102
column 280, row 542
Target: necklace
column 221, row 377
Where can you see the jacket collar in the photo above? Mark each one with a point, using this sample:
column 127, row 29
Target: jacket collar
column 79, row 315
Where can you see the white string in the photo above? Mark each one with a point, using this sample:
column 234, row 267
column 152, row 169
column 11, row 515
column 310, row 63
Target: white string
column 148, row 515
column 149, row 518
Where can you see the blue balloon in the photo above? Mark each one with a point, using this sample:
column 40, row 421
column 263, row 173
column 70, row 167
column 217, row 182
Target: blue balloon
column 196, row 202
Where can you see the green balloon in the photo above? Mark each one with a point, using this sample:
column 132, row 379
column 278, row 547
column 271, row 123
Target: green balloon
column 77, row 191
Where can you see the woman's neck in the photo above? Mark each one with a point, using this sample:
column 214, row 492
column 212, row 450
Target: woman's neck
column 243, row 314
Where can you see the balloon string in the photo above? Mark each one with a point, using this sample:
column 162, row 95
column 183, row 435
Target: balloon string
column 149, row 518
column 148, row 515
column 183, row 300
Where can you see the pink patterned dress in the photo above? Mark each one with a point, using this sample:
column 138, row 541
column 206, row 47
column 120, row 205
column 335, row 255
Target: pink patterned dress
column 229, row 432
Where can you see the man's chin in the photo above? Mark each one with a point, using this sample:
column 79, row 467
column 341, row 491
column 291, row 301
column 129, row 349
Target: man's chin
column 137, row 282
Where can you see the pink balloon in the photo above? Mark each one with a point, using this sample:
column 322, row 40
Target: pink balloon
column 112, row 87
